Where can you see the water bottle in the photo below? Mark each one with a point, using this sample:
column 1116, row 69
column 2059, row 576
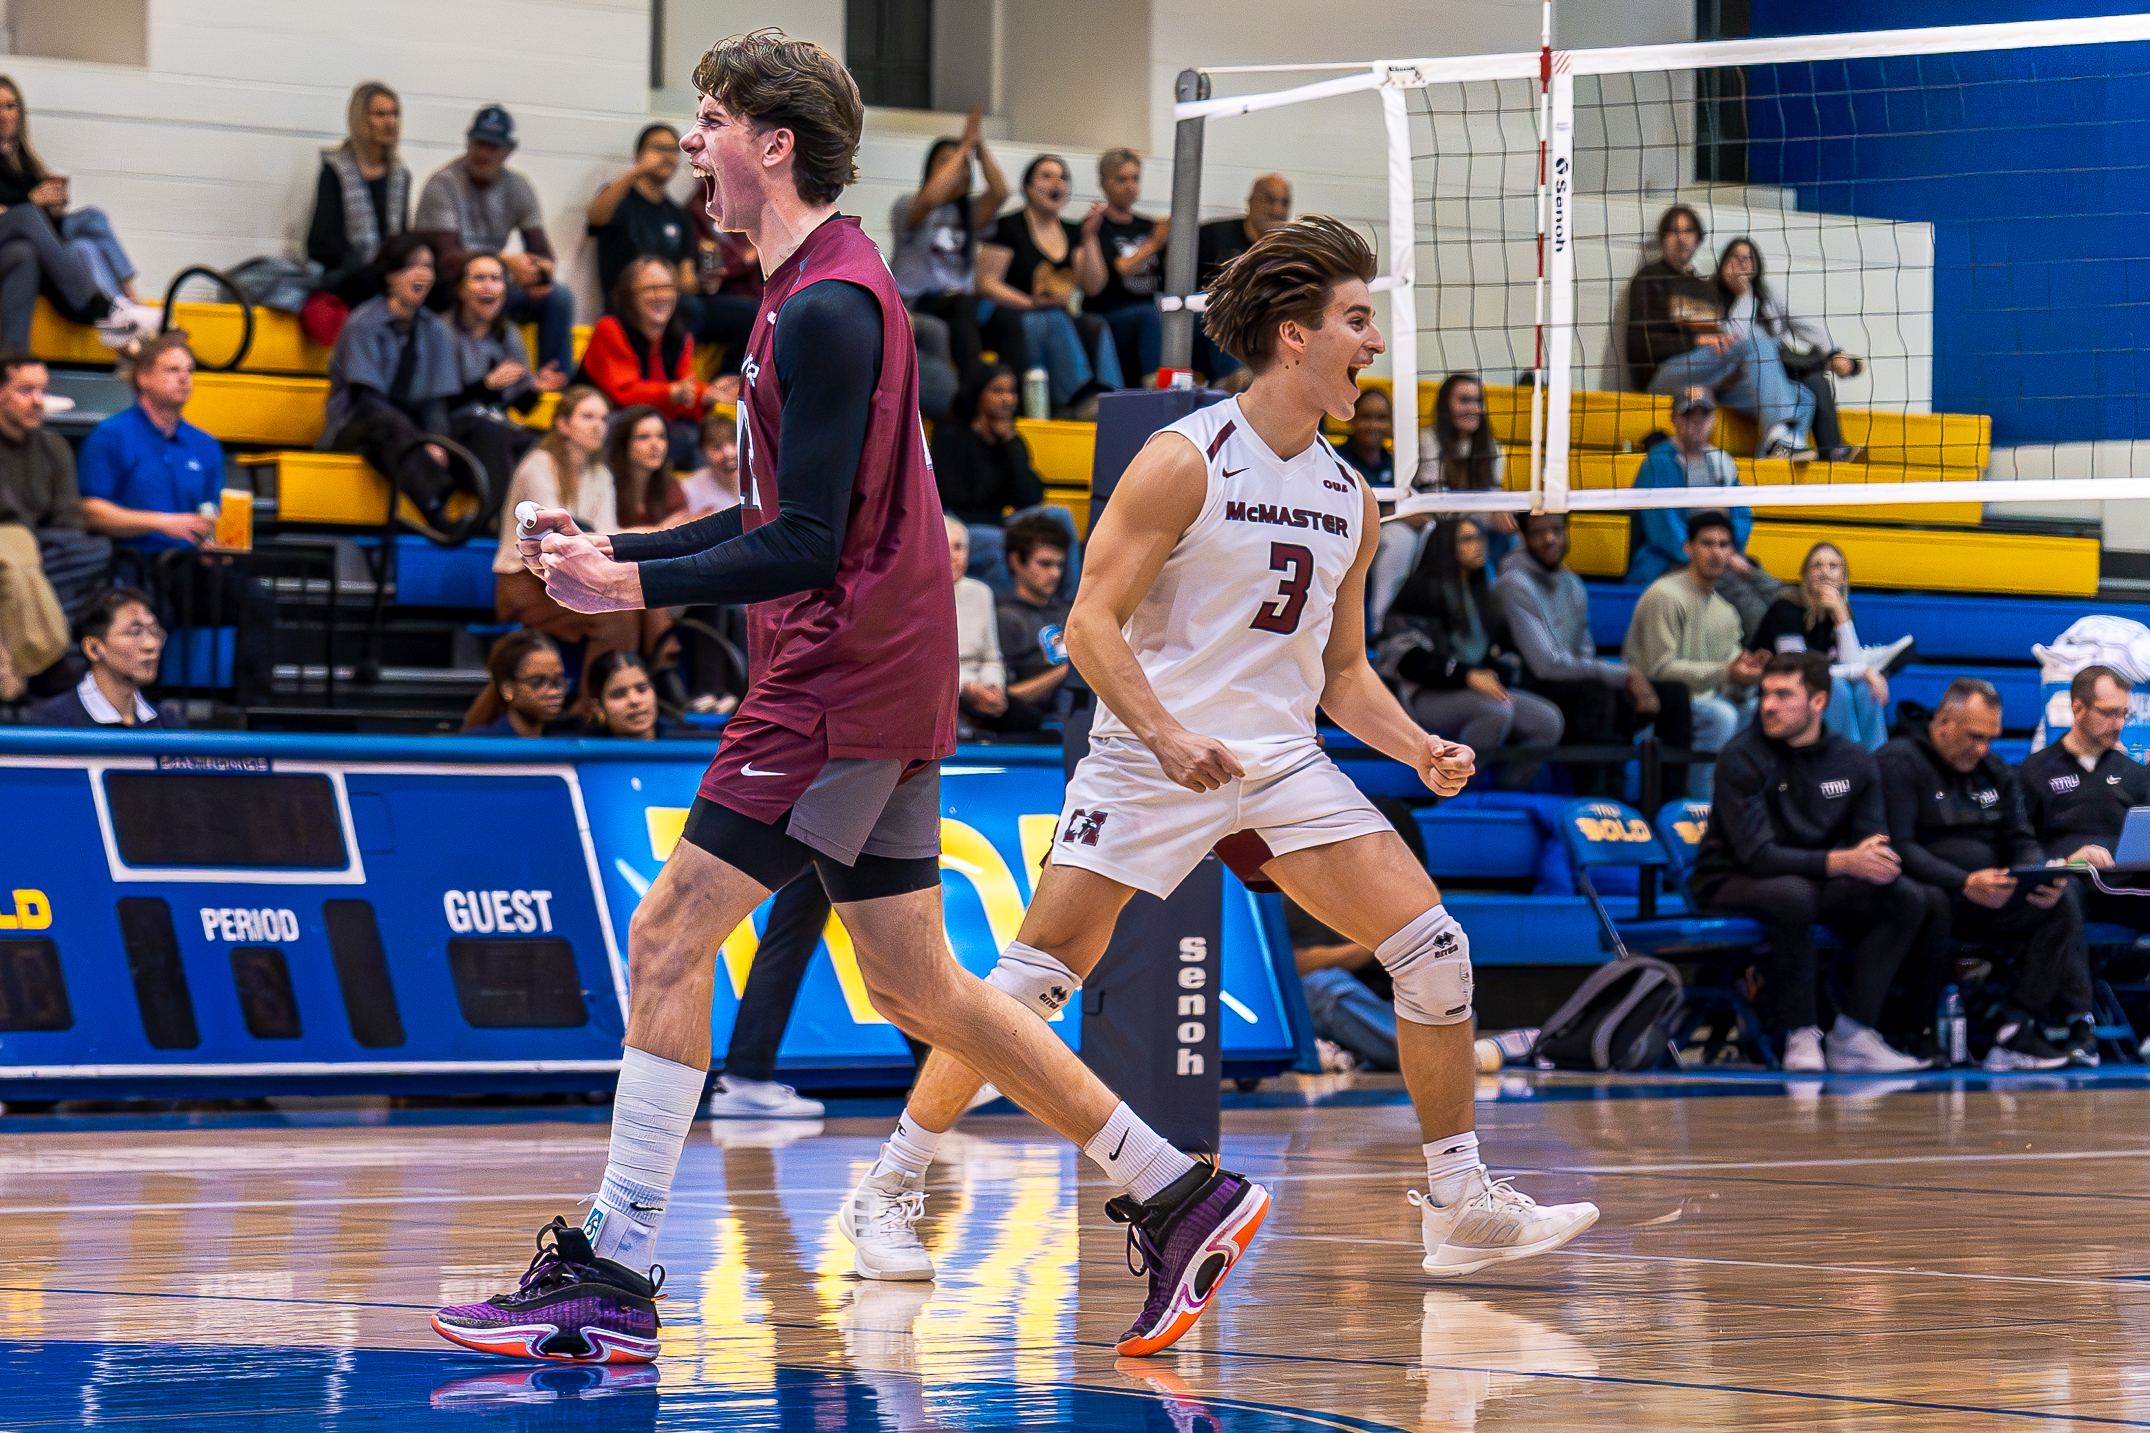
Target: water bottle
column 1037, row 394
column 1952, row 1028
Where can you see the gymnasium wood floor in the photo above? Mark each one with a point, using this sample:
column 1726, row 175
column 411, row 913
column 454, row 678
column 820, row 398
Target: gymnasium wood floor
column 1933, row 1259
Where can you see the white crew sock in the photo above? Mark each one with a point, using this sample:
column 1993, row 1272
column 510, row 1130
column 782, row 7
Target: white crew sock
column 1450, row 1164
column 651, row 1115
column 909, row 1150
column 1136, row 1157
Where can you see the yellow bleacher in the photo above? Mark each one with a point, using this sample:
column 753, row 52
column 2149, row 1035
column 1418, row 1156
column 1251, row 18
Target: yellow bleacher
column 277, row 402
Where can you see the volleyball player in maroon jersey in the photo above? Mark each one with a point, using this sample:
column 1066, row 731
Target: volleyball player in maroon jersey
column 833, row 757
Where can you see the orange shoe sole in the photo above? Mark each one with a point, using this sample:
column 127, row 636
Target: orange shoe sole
column 1235, row 1239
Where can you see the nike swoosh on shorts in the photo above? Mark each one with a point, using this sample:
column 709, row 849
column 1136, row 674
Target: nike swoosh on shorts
column 748, row 770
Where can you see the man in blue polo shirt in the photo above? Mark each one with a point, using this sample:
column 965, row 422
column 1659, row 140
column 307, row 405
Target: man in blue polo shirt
column 145, row 473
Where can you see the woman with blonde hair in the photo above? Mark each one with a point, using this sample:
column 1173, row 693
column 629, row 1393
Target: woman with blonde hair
column 363, row 196
column 1816, row 617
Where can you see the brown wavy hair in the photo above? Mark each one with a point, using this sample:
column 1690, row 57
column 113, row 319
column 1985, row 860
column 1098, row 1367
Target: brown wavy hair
column 782, row 83
column 1286, row 277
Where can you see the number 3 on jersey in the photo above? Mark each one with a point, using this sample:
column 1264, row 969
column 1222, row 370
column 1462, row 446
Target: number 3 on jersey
column 1281, row 612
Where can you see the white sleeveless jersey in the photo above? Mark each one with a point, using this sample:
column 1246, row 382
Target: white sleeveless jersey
column 1231, row 634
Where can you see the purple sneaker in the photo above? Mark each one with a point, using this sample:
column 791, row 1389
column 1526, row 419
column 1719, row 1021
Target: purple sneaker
column 571, row 1305
column 1186, row 1250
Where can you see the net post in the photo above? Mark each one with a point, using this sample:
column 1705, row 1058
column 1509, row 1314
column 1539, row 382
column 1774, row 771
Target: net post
column 1178, row 322
column 1403, row 272
column 1560, row 290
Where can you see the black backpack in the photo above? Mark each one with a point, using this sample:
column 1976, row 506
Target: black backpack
column 1619, row 1019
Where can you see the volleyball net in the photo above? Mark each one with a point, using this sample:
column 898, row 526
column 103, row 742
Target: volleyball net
column 1937, row 233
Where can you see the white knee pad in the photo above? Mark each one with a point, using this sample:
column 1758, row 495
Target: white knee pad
column 1035, row 978
column 1430, row 962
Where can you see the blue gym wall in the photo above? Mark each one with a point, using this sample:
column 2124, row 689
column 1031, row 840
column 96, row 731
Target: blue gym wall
column 2030, row 165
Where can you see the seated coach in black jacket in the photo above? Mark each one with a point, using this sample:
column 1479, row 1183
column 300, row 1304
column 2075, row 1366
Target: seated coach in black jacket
column 1956, row 816
column 2078, row 790
column 1798, row 835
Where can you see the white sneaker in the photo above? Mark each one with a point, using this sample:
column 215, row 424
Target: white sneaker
column 1492, row 1222
column 737, row 1099
column 1855, row 1049
column 1803, row 1052
column 128, row 323
column 987, row 1093
column 878, row 1218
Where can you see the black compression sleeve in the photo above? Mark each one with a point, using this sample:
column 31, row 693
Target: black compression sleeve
column 682, row 541
column 828, row 362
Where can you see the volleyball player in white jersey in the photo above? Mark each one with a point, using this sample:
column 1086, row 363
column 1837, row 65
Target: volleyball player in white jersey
column 1222, row 600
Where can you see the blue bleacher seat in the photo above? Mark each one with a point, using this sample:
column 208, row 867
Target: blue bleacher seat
column 1597, row 834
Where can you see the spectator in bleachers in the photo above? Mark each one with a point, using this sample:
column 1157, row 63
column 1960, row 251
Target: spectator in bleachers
column 1666, row 299
column 1815, row 616
column 1799, row 835
column 638, row 455
column 72, row 256
column 495, row 368
column 714, row 486
column 1958, row 820
column 2077, row 791
column 635, row 216
column 1366, row 446
column 642, row 355
column 1219, row 242
column 1458, row 454
column 1033, row 620
column 526, row 690
column 936, row 230
column 982, row 466
column 1440, row 643
column 48, row 563
column 565, row 471
column 146, row 473
column 1032, row 265
column 1685, row 331
column 981, row 680
column 1547, row 610
column 1690, row 460
column 395, row 368
column 1684, row 632
column 123, row 642
column 1804, row 349
column 1132, row 249
column 477, row 202
column 363, row 197
column 624, row 701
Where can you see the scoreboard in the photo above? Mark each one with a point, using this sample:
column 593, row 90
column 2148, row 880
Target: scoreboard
column 197, row 914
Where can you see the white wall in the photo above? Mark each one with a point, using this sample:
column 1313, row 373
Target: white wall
column 209, row 154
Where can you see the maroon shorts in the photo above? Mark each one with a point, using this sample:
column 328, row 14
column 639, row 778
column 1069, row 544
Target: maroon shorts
column 839, row 806
column 762, row 769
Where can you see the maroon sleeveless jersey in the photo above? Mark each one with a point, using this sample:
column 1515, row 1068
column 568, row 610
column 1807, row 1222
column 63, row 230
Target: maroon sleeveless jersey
column 872, row 656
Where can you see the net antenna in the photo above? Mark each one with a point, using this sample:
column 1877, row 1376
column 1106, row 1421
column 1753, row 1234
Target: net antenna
column 1877, row 171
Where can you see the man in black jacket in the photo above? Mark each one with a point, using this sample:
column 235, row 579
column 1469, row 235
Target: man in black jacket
column 1956, row 816
column 1652, row 333
column 2078, row 790
column 1798, row 835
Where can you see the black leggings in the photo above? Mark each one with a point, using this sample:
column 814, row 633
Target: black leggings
column 767, row 851
column 2052, row 964
column 1883, row 925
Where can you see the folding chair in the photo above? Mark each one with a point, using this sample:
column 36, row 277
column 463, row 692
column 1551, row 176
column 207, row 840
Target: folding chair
column 1600, row 835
